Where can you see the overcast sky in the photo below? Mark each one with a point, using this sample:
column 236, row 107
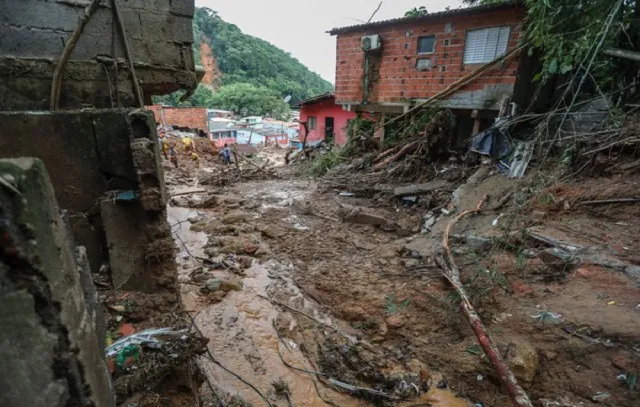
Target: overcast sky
column 299, row 26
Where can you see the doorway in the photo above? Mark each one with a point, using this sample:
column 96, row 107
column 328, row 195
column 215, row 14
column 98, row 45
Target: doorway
column 328, row 129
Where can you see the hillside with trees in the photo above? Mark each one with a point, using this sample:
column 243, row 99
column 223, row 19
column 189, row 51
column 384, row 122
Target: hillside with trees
column 256, row 76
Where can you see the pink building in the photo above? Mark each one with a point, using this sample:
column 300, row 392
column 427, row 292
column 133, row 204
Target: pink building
column 325, row 120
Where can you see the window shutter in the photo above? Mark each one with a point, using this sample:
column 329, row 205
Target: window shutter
column 485, row 45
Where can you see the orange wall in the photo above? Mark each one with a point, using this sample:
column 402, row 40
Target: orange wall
column 190, row 117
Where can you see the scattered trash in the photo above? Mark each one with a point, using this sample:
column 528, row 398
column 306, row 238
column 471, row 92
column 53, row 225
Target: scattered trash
column 153, row 338
column 126, row 196
column 479, row 377
column 546, row 316
column 127, row 330
column 410, row 199
column 611, row 303
column 622, row 377
column 600, row 396
column 632, row 381
column 127, row 355
column 497, row 220
column 442, row 384
column 347, row 194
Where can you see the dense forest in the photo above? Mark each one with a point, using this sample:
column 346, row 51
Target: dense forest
column 256, row 75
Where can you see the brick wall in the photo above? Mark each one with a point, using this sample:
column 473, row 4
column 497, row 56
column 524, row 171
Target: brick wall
column 188, row 117
column 396, row 78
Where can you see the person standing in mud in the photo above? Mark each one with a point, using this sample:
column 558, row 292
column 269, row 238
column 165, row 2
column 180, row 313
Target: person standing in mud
column 173, row 155
column 226, row 155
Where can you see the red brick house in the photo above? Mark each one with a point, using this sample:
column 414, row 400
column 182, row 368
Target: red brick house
column 182, row 118
column 325, row 119
column 413, row 58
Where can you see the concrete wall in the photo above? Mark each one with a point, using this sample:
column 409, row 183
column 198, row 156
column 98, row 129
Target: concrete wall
column 91, row 156
column 33, row 34
column 50, row 348
column 395, row 78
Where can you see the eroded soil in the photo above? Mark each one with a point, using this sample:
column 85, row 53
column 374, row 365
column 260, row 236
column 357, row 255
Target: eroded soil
column 287, row 279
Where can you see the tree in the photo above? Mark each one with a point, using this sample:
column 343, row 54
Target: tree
column 417, row 12
column 568, row 32
column 249, row 100
column 245, row 59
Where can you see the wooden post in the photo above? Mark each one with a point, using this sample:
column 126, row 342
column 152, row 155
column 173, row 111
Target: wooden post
column 476, row 123
column 380, row 132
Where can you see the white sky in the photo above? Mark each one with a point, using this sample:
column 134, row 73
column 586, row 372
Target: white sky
column 299, row 26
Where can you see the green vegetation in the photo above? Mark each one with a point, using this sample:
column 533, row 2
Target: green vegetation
column 567, row 43
column 256, row 75
column 391, row 307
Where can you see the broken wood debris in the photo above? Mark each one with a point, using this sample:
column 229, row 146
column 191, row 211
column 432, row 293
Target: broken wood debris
column 420, row 188
column 452, row 274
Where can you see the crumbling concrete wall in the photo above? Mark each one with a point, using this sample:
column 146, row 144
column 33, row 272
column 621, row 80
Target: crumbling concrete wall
column 92, row 157
column 33, row 34
column 50, row 349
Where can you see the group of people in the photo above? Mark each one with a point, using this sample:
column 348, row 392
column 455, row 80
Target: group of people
column 189, row 147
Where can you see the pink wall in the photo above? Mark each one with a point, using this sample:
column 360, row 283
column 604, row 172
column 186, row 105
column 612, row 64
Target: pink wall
column 321, row 110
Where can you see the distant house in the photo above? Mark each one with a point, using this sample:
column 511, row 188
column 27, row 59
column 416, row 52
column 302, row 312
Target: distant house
column 188, row 119
column 325, row 120
column 215, row 113
column 389, row 66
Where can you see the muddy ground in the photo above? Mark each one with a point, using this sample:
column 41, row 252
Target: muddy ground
column 305, row 294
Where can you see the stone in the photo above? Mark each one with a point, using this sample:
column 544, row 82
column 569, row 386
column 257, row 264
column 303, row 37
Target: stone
column 218, row 284
column 236, row 217
column 354, row 313
column 478, row 242
column 395, row 321
column 210, row 201
column 624, row 361
column 273, row 231
column 557, row 259
column 522, row 358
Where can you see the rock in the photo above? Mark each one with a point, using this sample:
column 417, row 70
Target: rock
column 212, row 284
column 236, row 217
column 383, row 329
column 273, row 231
column 263, row 250
column 624, row 361
column 409, row 263
column 478, row 242
column 244, row 261
column 250, row 248
column 395, row 321
column 522, row 359
column 354, row 313
column 210, row 201
column 217, row 284
column 557, row 259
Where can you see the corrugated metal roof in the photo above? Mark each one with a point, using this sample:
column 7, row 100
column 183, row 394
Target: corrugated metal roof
column 316, row 98
column 430, row 16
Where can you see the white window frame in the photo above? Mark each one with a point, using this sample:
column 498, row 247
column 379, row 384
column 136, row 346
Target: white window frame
column 483, row 45
column 433, row 48
column 313, row 122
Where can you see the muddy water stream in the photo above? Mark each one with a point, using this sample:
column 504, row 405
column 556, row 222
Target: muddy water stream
column 240, row 327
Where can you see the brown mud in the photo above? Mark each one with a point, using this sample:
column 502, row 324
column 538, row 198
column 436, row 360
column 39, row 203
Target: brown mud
column 284, row 280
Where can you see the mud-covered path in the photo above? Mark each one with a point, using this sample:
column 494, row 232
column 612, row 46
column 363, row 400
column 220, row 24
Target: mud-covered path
column 253, row 322
column 286, row 279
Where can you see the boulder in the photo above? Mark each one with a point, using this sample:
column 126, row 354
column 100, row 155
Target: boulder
column 558, row 259
column 273, row 231
column 210, row 201
column 395, row 321
column 522, row 358
column 236, row 217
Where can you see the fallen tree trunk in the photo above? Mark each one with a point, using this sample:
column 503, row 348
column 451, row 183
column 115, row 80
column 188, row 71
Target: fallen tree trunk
column 384, row 154
column 403, row 151
column 419, row 188
column 451, row 272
